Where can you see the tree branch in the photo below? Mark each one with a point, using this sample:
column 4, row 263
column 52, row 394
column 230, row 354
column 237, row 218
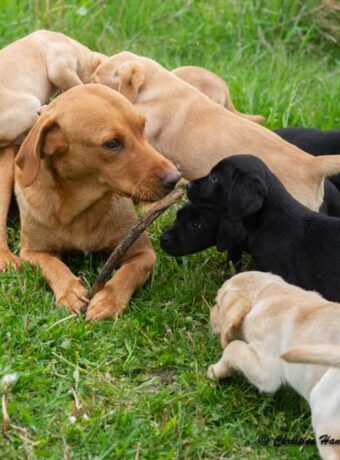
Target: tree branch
column 135, row 231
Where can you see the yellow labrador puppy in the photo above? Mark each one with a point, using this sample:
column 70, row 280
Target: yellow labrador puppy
column 272, row 317
column 212, row 86
column 31, row 69
column 195, row 133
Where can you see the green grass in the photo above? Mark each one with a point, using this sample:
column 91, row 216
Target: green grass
column 141, row 381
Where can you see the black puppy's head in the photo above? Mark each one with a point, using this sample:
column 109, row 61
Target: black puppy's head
column 236, row 186
column 196, row 229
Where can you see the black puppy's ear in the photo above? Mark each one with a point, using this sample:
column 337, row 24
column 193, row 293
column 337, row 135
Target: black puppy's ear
column 246, row 195
column 229, row 234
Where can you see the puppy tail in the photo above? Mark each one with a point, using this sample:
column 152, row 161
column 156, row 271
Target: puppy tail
column 255, row 118
column 325, row 355
column 327, row 165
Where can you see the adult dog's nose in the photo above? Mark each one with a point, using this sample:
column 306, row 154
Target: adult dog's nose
column 170, row 179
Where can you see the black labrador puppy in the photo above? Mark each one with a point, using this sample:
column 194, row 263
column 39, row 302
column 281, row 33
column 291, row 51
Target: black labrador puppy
column 318, row 142
column 283, row 236
column 196, row 229
column 314, row 141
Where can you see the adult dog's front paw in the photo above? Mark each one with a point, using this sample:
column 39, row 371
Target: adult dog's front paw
column 104, row 305
column 75, row 298
column 7, row 259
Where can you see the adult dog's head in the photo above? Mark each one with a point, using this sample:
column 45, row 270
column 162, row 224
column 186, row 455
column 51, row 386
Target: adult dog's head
column 93, row 135
column 236, row 186
column 196, row 229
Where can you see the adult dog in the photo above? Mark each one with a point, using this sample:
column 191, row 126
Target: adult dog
column 195, row 133
column 283, row 236
column 31, row 69
column 84, row 153
column 271, row 317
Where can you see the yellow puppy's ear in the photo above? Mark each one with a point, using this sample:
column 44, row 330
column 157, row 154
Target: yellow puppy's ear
column 104, row 74
column 45, row 138
column 234, row 307
column 131, row 76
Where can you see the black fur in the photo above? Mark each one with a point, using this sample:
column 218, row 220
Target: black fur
column 316, row 142
column 331, row 200
column 196, row 229
column 283, row 236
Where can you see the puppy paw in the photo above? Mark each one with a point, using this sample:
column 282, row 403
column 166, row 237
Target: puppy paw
column 104, row 305
column 75, row 298
column 7, row 259
column 211, row 374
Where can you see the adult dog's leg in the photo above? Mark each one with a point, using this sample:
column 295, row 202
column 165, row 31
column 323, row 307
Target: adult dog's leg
column 135, row 269
column 261, row 371
column 7, row 158
column 67, row 288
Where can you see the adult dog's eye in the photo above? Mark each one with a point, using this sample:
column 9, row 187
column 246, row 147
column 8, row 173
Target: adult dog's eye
column 213, row 178
column 113, row 144
column 195, row 224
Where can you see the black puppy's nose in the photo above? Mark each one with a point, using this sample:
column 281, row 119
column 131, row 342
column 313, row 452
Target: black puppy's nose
column 170, row 179
column 165, row 238
column 190, row 186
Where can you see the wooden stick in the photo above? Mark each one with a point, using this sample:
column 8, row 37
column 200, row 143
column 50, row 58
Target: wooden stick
column 135, row 231
column 6, row 422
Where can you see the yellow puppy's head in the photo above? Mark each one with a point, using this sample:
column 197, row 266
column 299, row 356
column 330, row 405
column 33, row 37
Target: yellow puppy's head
column 228, row 313
column 124, row 72
column 234, row 301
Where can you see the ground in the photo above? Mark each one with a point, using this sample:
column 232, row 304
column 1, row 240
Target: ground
column 141, row 381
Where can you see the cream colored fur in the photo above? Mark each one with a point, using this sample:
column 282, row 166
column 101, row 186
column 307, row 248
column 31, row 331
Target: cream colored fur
column 262, row 319
column 213, row 87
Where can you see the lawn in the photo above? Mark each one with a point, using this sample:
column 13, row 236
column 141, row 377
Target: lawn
column 140, row 382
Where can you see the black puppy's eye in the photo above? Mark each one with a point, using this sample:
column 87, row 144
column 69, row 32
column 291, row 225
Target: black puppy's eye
column 213, row 178
column 113, row 144
column 195, row 224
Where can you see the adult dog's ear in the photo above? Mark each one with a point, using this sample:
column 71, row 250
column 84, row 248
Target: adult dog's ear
column 246, row 195
column 131, row 76
column 45, row 138
column 229, row 234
